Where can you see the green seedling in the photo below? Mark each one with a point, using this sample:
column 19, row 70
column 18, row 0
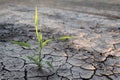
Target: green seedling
column 37, row 59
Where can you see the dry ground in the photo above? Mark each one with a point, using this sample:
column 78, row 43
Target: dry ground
column 93, row 53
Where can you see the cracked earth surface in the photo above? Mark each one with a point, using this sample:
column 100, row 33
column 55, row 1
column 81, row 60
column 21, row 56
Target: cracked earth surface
column 93, row 53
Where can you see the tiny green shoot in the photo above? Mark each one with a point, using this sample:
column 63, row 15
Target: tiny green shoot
column 38, row 59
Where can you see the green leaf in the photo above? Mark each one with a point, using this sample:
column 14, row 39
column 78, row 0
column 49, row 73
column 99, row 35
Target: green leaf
column 40, row 39
column 36, row 60
column 49, row 64
column 64, row 37
column 21, row 43
column 32, row 59
column 36, row 15
column 45, row 42
column 36, row 22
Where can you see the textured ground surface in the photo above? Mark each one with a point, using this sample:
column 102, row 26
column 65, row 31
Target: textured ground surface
column 93, row 54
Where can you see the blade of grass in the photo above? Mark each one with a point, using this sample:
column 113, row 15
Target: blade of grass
column 49, row 64
column 40, row 39
column 36, row 60
column 21, row 43
column 64, row 37
column 32, row 58
column 36, row 22
column 45, row 42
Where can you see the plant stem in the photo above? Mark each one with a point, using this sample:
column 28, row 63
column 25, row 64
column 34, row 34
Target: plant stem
column 40, row 54
column 40, row 59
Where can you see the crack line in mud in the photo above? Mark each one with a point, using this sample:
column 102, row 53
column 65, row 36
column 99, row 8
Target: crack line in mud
column 107, row 76
column 25, row 72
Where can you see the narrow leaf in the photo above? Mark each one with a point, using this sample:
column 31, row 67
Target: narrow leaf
column 40, row 39
column 36, row 22
column 21, row 43
column 32, row 59
column 64, row 37
column 45, row 42
column 49, row 64
column 35, row 60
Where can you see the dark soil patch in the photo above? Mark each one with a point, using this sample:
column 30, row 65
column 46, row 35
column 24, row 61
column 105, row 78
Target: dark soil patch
column 23, row 32
column 8, row 31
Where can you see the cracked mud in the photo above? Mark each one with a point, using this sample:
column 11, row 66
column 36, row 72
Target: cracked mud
column 93, row 54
